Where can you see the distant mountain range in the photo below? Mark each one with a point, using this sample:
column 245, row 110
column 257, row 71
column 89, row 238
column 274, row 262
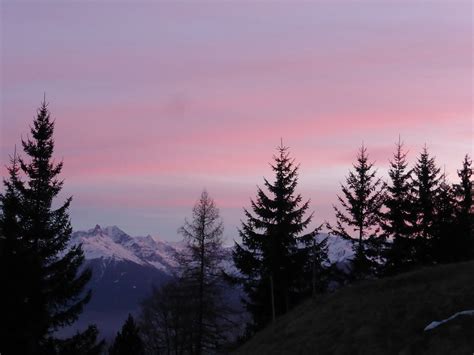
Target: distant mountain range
column 112, row 244
column 125, row 269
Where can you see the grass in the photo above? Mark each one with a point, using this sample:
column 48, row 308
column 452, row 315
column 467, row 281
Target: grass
column 384, row 316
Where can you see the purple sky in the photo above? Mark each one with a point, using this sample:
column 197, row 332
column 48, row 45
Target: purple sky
column 155, row 101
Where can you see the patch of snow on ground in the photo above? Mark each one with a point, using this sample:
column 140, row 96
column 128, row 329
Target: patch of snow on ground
column 435, row 324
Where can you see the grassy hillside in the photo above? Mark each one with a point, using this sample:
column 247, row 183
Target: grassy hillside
column 380, row 317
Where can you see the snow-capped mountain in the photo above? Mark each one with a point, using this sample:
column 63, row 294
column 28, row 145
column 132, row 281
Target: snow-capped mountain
column 124, row 271
column 113, row 244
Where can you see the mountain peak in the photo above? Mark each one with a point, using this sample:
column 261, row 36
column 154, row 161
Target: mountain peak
column 150, row 239
column 114, row 244
column 117, row 235
column 97, row 229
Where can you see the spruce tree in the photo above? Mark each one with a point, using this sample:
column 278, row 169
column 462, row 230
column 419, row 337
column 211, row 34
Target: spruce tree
column 396, row 218
column 128, row 340
column 275, row 249
column 361, row 211
column 464, row 212
column 52, row 290
column 426, row 181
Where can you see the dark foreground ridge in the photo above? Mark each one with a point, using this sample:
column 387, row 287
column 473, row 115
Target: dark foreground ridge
column 386, row 316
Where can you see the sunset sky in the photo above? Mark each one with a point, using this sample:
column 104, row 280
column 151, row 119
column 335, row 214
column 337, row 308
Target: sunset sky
column 155, row 101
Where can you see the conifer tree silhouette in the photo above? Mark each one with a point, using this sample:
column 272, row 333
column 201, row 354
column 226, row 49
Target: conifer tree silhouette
column 40, row 271
column 396, row 218
column 275, row 249
column 363, row 197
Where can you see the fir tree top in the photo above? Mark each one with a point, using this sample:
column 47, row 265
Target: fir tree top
column 427, row 173
column 128, row 340
column 426, row 183
column 281, row 206
column 464, row 188
column 363, row 196
column 397, row 202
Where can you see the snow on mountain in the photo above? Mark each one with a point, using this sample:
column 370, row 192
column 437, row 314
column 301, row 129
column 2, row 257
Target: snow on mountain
column 98, row 243
column 339, row 249
column 113, row 244
column 155, row 252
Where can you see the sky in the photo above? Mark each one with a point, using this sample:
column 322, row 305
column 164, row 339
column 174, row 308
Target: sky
column 155, row 101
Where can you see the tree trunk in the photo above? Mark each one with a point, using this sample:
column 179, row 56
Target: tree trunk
column 272, row 299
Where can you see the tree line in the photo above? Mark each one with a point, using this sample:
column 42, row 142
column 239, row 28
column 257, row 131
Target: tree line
column 415, row 218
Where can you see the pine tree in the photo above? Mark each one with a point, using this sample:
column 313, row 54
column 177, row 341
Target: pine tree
column 363, row 199
column 396, row 220
column 52, row 290
column 464, row 212
column 425, row 189
column 275, row 252
column 128, row 340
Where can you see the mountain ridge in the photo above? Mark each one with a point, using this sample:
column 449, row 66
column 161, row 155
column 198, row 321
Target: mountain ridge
column 111, row 242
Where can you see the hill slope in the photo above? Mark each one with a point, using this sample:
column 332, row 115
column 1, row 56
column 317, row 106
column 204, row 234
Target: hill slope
column 380, row 317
